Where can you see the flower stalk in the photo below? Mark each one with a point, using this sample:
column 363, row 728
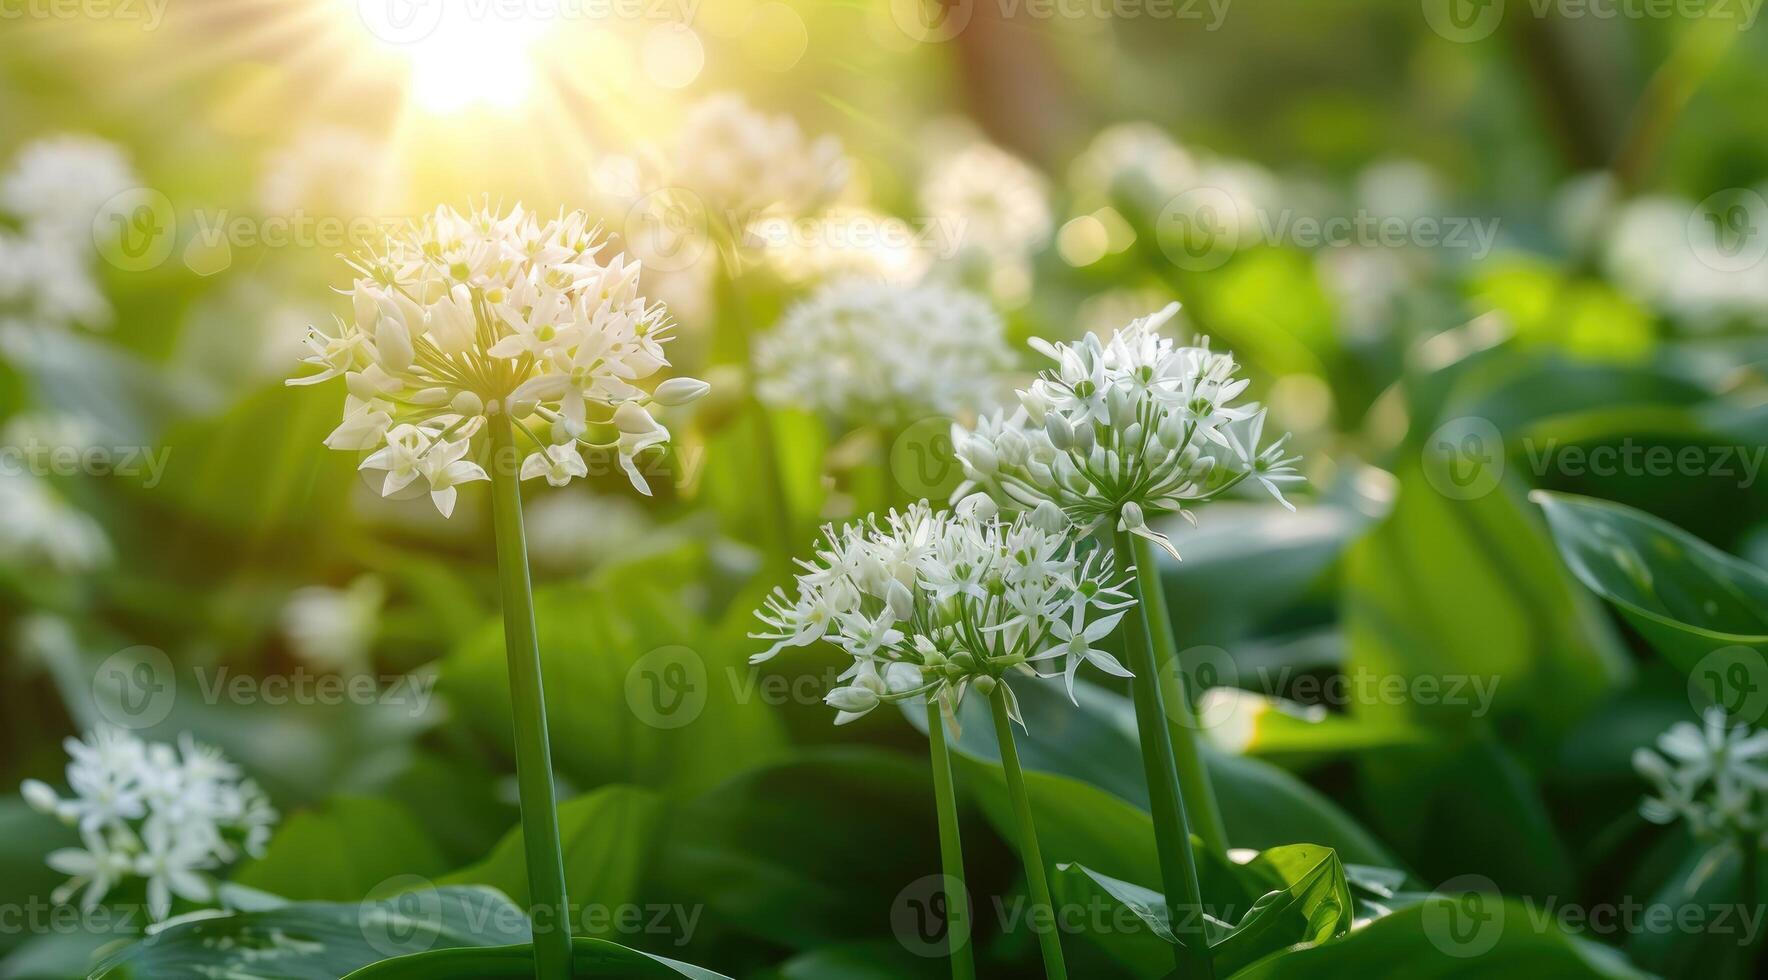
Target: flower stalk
column 1172, row 835
column 534, row 773
column 1043, row 909
column 951, row 850
column 1200, row 800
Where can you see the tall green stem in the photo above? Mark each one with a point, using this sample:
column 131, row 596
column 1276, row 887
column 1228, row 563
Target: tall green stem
column 1194, row 784
column 1043, row 910
column 534, row 774
column 1172, row 837
column 951, row 851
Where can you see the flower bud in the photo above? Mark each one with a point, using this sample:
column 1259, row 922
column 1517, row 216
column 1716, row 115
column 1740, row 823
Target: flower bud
column 985, row 685
column 363, row 306
column 1060, row 432
column 1121, row 405
column 1049, row 517
column 451, row 321
column 1013, row 447
column 467, row 403
column 900, row 600
column 39, row 796
column 679, row 391
column 855, row 699
column 1084, row 438
column 981, row 456
column 392, row 345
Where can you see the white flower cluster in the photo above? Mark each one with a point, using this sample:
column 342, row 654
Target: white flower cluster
column 467, row 315
column 53, row 192
column 153, row 811
column 334, row 629
column 38, row 527
column 1123, row 430
column 930, row 604
column 1712, row 775
column 1135, row 160
column 1662, row 251
column 744, row 162
column 332, row 170
column 875, row 353
column 998, row 205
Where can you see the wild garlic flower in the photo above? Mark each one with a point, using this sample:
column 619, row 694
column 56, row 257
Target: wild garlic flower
column 464, row 316
column 1712, row 775
column 874, row 353
column 998, row 201
column 38, row 527
column 932, row 604
column 150, row 810
column 1135, row 161
column 330, row 170
column 58, row 183
column 334, row 629
column 743, row 162
column 1122, row 430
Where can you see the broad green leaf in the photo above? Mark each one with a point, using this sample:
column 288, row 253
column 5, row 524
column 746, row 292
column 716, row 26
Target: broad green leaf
column 1460, row 622
column 807, row 852
column 320, row 940
column 342, row 851
column 1437, row 940
column 25, row 837
column 638, row 690
column 1687, row 598
column 608, row 838
column 1309, row 902
column 1095, row 743
column 589, row 958
column 1710, row 882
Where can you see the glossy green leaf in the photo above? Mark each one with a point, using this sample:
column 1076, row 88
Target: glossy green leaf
column 608, row 838
column 1427, row 942
column 638, row 690
column 320, row 940
column 1687, row 598
column 590, row 958
column 342, row 851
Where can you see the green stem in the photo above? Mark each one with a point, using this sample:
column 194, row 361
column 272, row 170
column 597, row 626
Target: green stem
column 1750, row 892
column 1194, row 784
column 951, row 850
column 1043, row 910
column 731, row 346
column 534, row 775
column 1172, row 838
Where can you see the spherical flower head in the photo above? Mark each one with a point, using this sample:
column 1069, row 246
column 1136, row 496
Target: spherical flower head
column 880, row 354
column 465, row 316
column 741, row 161
column 1136, row 162
column 167, row 814
column 998, row 201
column 1121, row 431
column 58, row 183
column 1713, row 775
column 930, row 604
